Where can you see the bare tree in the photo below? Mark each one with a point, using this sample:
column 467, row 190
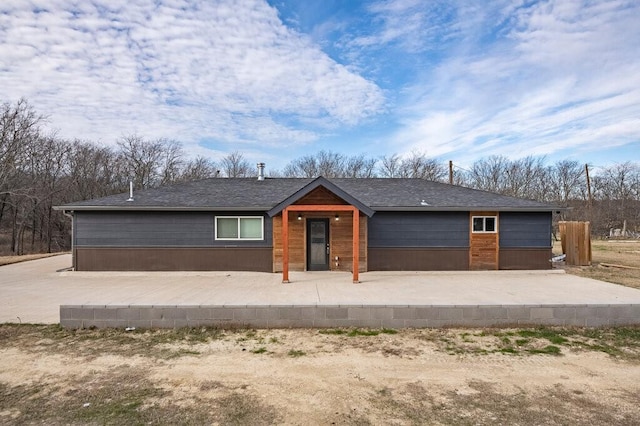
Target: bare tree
column 391, row 166
column 151, row 163
column 304, row 167
column 415, row 166
column 617, row 182
column 330, row 164
column 19, row 129
column 526, row 178
column 359, row 166
column 94, row 171
column 616, row 193
column 419, row 166
column 333, row 165
column 171, row 161
column 234, row 165
column 567, row 181
column 488, row 174
column 199, row 168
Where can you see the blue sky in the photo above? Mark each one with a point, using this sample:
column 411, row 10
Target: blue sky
column 275, row 80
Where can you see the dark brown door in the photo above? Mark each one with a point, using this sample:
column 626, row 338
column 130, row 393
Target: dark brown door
column 318, row 244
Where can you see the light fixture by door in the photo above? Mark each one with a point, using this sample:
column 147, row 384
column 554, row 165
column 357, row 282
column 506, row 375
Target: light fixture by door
column 299, row 216
column 337, row 217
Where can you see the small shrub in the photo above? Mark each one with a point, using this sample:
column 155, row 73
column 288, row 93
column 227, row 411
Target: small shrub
column 549, row 350
column 294, row 353
column 552, row 336
column 358, row 332
column 335, row 331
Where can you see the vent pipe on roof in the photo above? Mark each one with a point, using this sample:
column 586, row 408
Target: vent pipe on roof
column 260, row 171
column 130, row 191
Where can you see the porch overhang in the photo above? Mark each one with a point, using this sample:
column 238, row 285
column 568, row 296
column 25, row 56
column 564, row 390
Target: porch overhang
column 321, row 208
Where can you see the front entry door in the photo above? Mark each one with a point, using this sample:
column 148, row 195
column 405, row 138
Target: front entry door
column 317, row 244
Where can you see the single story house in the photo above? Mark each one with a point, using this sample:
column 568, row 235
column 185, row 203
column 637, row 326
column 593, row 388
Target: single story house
column 283, row 224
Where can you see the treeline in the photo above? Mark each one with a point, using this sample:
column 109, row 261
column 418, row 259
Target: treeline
column 609, row 198
column 39, row 170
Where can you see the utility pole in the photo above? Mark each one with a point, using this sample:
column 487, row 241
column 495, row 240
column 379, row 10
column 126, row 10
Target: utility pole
column 586, row 169
column 450, row 172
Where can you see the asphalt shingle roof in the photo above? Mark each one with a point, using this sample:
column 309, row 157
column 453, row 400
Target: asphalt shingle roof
column 252, row 194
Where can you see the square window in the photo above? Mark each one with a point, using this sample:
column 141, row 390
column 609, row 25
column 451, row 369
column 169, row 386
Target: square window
column 486, row 224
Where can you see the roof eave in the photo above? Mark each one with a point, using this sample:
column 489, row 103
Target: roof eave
column 159, row 208
column 465, row 208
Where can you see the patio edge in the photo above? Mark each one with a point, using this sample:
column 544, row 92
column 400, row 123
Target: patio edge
column 319, row 316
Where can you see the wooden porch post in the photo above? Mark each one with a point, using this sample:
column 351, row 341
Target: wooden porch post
column 285, row 245
column 356, row 245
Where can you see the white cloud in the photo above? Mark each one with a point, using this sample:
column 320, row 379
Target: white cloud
column 219, row 70
column 557, row 75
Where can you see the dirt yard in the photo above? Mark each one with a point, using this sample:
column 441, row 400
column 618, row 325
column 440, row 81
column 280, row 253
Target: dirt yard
column 614, row 261
column 308, row 377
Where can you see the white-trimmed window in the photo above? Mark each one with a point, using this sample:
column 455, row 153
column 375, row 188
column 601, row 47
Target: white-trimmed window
column 486, row 224
column 239, row 228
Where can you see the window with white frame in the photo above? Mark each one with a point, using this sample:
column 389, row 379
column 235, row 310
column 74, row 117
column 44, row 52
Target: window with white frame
column 485, row 224
column 239, row 228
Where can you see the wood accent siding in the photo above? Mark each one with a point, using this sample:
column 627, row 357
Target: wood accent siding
column 484, row 247
column 341, row 245
column 256, row 259
column 340, row 241
column 297, row 243
column 321, row 196
column 525, row 258
column 418, row 259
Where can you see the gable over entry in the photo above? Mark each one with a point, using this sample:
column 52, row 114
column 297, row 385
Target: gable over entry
column 319, row 199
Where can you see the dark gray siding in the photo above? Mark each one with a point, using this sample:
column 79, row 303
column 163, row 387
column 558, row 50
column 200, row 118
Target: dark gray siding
column 525, row 230
column 419, row 229
column 157, row 229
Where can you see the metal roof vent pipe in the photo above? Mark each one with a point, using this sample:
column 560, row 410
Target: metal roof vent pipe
column 260, row 171
column 130, row 191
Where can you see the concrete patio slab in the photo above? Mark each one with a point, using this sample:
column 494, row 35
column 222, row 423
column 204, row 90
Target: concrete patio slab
column 32, row 292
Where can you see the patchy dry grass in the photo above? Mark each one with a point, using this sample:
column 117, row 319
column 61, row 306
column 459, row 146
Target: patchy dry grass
column 213, row 376
column 620, row 343
column 618, row 252
column 124, row 396
column 160, row 344
column 414, row 404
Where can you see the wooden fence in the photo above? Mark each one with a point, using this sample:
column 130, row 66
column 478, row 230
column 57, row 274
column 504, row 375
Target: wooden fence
column 576, row 242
